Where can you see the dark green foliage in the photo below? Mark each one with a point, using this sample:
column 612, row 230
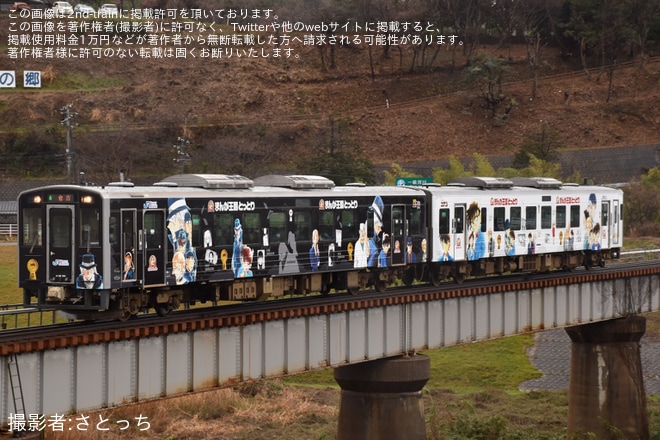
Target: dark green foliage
column 542, row 144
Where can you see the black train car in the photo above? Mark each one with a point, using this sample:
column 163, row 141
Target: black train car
column 116, row 250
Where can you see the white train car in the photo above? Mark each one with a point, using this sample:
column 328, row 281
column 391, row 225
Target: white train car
column 488, row 225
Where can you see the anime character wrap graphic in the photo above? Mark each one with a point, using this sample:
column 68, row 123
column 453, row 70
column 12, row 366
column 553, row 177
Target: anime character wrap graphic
column 362, row 252
column 591, row 225
column 376, row 241
column 476, row 239
column 89, row 278
column 179, row 224
column 236, row 259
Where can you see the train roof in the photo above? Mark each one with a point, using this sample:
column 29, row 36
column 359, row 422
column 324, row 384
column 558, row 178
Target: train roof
column 215, row 185
column 520, row 185
column 222, row 185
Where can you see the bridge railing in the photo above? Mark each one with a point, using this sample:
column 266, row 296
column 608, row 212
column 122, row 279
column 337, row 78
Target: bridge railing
column 640, row 255
column 9, row 229
column 14, row 316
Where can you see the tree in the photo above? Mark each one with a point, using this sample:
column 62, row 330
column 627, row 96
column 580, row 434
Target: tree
column 488, row 72
column 642, row 15
column 534, row 19
column 642, row 207
column 338, row 158
column 542, row 145
column 456, row 169
column 602, row 27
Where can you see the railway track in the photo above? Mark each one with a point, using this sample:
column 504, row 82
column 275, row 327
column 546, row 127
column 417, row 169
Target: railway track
column 83, row 333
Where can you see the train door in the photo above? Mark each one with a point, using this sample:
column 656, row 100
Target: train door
column 153, row 245
column 605, row 225
column 128, row 246
column 398, row 239
column 459, row 233
column 60, row 243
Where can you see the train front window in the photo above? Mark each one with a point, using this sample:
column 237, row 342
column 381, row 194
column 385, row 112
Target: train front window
column 32, row 225
column 60, row 228
column 90, row 230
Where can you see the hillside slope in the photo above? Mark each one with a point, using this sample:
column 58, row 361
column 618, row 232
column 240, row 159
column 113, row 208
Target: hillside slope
column 281, row 110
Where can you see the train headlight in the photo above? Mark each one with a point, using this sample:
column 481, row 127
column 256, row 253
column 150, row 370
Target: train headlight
column 36, row 199
column 87, row 199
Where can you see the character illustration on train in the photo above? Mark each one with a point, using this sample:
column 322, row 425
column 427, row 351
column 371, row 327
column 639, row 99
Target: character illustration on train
column 119, row 249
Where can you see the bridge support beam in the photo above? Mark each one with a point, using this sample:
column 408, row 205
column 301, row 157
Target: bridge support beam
column 606, row 394
column 382, row 399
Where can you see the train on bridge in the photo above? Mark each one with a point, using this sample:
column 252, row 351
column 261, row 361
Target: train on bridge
column 117, row 250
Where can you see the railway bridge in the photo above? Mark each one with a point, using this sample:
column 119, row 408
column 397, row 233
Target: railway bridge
column 373, row 341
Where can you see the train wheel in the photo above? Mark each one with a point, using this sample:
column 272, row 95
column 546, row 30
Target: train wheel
column 408, row 276
column 353, row 290
column 380, row 285
column 162, row 309
column 435, row 277
column 459, row 277
column 125, row 315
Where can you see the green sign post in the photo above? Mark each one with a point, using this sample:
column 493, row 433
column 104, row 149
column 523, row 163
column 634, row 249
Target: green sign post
column 413, row 181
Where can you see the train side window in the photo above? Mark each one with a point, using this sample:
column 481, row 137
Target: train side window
column 223, row 229
column 350, row 229
column 605, row 214
column 90, row 231
column 515, row 215
column 197, row 232
column 303, row 230
column 326, row 225
column 444, row 225
column 546, row 217
column 154, row 226
column 112, row 226
column 459, row 216
column 277, row 227
column 252, row 228
column 530, row 218
column 575, row 216
column 32, row 224
column 484, row 219
column 415, row 225
column 499, row 217
column 561, row 216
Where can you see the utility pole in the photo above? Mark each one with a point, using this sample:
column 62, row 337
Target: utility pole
column 68, row 115
column 181, row 155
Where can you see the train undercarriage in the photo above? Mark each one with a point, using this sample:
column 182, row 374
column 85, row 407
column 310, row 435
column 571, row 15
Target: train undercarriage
column 125, row 303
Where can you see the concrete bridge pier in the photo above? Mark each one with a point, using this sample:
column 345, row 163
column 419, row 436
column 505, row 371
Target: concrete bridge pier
column 606, row 393
column 382, row 399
